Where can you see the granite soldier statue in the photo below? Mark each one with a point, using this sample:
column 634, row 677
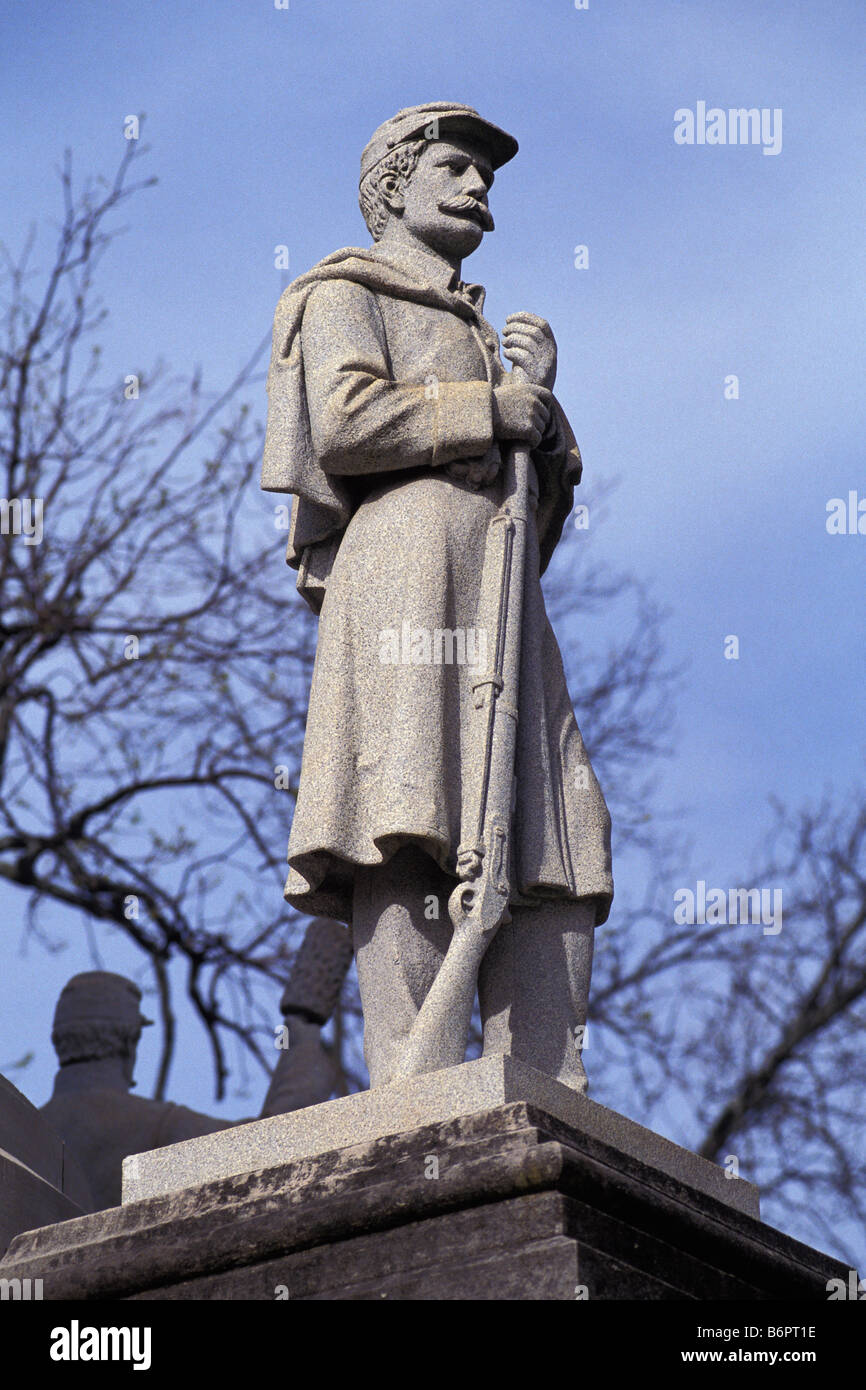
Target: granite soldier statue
column 97, row 1026
column 395, row 425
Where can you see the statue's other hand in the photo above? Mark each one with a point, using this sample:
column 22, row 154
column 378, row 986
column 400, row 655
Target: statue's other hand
column 528, row 343
column 478, row 472
column 521, row 412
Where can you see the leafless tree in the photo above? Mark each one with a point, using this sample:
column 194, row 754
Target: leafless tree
column 783, row 1053
column 152, row 676
column 747, row 1044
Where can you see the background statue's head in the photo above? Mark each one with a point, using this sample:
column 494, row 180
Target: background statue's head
column 98, row 1015
column 425, row 175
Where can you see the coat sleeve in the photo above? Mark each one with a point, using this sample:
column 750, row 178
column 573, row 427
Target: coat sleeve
column 361, row 419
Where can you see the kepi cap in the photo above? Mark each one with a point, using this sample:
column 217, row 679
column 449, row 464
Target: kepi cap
column 99, row 996
column 445, row 117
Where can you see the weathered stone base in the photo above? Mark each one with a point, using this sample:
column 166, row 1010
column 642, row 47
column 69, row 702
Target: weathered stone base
column 523, row 1207
column 451, row 1094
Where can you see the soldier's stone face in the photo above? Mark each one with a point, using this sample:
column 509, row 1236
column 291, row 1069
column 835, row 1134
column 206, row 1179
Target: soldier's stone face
column 446, row 197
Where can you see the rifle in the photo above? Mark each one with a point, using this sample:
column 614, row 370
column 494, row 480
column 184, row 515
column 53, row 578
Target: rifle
column 478, row 906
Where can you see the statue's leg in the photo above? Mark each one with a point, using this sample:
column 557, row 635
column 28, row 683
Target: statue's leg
column 533, row 988
column 399, row 946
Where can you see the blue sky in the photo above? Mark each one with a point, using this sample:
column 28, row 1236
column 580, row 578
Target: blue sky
column 703, row 261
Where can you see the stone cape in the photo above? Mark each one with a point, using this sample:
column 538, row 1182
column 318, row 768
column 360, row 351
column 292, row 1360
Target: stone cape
column 381, row 378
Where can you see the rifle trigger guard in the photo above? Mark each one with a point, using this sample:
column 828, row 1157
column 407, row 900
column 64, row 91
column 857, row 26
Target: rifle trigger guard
column 494, row 681
column 469, row 860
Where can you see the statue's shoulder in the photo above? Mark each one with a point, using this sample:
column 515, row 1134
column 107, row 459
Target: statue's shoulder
column 337, row 312
column 334, row 292
column 342, row 284
column 350, row 265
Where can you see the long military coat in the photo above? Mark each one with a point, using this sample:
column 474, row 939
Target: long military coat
column 380, row 387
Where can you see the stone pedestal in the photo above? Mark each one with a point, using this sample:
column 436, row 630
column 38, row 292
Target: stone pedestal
column 506, row 1199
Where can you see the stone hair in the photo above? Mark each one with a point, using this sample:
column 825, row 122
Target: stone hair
column 401, row 162
column 90, row 1042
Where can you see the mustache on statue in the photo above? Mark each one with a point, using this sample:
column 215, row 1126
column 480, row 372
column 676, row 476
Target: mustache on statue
column 464, row 203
